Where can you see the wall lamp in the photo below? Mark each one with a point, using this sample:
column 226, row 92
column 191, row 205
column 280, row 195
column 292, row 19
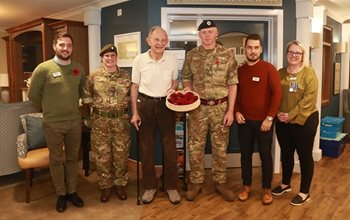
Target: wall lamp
column 4, row 81
column 315, row 41
column 341, row 47
column 4, row 91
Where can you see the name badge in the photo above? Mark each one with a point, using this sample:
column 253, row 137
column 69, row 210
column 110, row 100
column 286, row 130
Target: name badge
column 256, row 79
column 56, row 74
column 292, row 78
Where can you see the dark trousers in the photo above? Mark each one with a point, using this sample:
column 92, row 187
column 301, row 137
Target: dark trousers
column 64, row 169
column 297, row 137
column 156, row 116
column 247, row 134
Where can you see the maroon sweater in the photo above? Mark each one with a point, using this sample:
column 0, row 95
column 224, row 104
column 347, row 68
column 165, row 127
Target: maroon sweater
column 259, row 91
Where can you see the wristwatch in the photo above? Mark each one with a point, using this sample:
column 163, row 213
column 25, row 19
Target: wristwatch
column 269, row 118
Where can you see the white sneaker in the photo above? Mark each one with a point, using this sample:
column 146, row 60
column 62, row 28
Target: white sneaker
column 174, row 196
column 148, row 196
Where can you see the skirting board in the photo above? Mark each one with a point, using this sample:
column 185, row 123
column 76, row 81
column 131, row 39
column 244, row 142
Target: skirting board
column 233, row 161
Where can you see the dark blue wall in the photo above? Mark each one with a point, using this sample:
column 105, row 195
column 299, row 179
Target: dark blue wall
column 332, row 109
column 140, row 15
column 289, row 24
column 134, row 18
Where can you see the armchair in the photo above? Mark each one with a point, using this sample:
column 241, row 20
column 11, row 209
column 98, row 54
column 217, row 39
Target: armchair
column 32, row 159
column 9, row 130
column 30, row 156
column 346, row 110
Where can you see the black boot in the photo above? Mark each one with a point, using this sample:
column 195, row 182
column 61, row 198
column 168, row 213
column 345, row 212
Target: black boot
column 61, row 204
column 75, row 199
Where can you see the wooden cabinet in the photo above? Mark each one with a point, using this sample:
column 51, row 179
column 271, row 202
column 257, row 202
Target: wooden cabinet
column 79, row 33
column 327, row 65
column 31, row 43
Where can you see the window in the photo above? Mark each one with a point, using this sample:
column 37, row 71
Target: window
column 182, row 23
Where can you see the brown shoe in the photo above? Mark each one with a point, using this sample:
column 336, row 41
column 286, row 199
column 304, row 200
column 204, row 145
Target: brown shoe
column 121, row 193
column 244, row 194
column 225, row 192
column 266, row 197
column 106, row 194
column 193, row 190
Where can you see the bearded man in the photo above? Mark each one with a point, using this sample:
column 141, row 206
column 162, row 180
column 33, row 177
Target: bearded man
column 56, row 86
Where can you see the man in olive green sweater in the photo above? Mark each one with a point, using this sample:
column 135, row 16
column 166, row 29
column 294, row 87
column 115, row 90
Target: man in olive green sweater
column 56, row 87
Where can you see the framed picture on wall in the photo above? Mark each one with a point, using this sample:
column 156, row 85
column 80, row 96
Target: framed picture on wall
column 234, row 49
column 241, row 50
column 128, row 46
column 336, row 89
column 226, row 2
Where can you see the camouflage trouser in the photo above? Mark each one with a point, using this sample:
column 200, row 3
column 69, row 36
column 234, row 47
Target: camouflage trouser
column 202, row 120
column 110, row 143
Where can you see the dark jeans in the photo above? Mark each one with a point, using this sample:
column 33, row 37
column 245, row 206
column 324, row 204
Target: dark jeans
column 155, row 115
column 247, row 134
column 297, row 137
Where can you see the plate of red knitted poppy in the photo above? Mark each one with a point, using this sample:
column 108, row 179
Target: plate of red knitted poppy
column 181, row 101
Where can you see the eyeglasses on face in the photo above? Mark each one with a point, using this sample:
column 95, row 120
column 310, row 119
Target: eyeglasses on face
column 294, row 53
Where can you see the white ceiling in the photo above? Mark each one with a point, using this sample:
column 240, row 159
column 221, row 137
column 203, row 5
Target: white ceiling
column 339, row 9
column 15, row 12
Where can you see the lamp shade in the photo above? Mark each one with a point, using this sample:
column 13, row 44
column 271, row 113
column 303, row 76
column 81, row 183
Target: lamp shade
column 4, row 80
column 315, row 40
column 341, row 47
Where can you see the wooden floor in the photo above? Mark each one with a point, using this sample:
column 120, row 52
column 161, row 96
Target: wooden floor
column 330, row 197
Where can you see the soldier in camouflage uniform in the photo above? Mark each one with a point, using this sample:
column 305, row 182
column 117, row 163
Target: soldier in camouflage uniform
column 107, row 90
column 211, row 71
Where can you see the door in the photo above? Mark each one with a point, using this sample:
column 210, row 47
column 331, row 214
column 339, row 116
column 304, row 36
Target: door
column 181, row 25
column 232, row 35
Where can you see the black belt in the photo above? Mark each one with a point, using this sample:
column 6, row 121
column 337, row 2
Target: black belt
column 150, row 98
column 110, row 114
column 211, row 102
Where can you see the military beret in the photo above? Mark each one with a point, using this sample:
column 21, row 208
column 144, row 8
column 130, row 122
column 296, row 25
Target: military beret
column 206, row 24
column 108, row 48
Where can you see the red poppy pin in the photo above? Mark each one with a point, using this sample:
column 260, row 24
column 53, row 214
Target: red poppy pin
column 75, row 71
column 217, row 62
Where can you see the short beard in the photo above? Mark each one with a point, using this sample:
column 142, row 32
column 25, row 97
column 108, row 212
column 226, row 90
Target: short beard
column 253, row 60
column 62, row 58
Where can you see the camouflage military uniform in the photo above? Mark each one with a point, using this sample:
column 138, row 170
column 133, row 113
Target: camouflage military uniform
column 210, row 72
column 110, row 127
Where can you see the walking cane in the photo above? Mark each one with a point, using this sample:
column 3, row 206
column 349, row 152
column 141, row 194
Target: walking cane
column 137, row 170
column 162, row 176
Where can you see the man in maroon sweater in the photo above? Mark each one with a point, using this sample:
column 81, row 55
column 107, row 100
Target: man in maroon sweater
column 259, row 96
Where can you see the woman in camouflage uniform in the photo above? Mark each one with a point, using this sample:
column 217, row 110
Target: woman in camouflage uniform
column 107, row 90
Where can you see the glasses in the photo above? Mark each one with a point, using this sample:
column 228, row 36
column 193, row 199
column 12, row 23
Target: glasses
column 294, row 53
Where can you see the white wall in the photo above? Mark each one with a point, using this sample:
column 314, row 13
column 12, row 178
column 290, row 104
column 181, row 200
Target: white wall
column 316, row 60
